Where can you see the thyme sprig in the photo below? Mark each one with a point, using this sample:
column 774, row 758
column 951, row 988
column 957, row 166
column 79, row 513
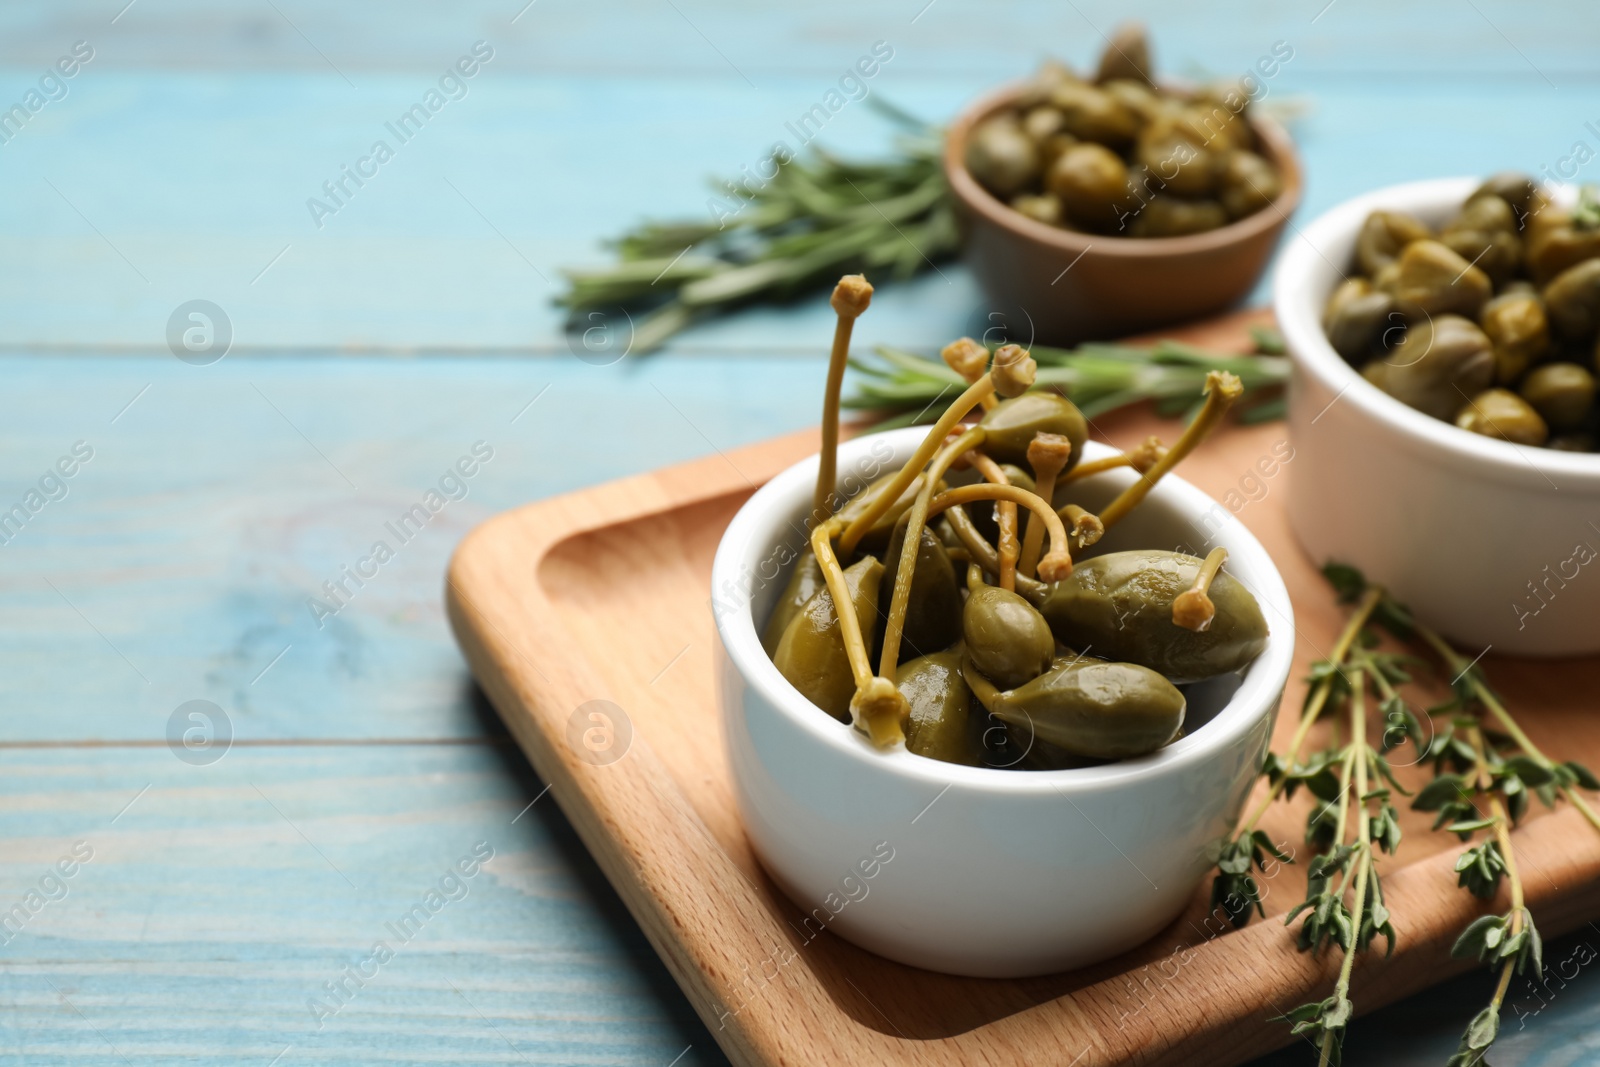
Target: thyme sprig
column 1482, row 781
column 904, row 386
column 1485, row 770
column 1350, row 858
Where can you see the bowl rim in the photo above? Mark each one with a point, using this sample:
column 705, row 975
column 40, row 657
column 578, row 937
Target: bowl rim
column 1299, row 315
column 790, row 491
column 976, row 198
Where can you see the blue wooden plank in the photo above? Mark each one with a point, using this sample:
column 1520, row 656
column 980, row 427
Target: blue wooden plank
column 724, row 36
column 185, row 553
column 458, row 241
column 211, row 913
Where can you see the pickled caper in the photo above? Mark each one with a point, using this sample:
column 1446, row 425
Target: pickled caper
column 1247, row 183
column 805, row 578
column 1356, row 318
column 811, row 654
column 1572, row 301
column 1002, row 156
column 1437, row 363
column 1120, row 606
column 1485, row 235
column 1514, row 187
column 1184, row 165
column 1503, row 415
column 1384, row 235
column 1517, row 328
column 1091, row 707
column 933, row 615
column 1091, row 114
column 1562, row 394
column 1435, row 280
column 1045, row 209
column 940, row 702
column 1011, row 425
column 1091, row 182
column 1168, row 216
column 1006, row 637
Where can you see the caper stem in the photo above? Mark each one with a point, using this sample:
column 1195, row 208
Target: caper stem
column 843, row 607
column 984, row 554
column 1005, row 518
column 850, row 298
column 1083, row 526
column 930, row 444
column 1319, row 697
column 968, row 358
column 1486, row 697
column 1221, row 390
column 1192, row 609
column 980, row 685
column 974, row 578
column 1047, row 454
column 1140, row 459
column 1058, row 563
column 911, row 543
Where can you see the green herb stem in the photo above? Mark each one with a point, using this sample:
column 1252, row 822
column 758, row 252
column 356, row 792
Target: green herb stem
column 1502, row 834
column 1319, row 697
column 1486, row 696
column 1341, row 989
column 1355, row 760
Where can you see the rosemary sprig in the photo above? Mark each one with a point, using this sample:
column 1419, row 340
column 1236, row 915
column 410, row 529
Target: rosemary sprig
column 1097, row 377
column 817, row 217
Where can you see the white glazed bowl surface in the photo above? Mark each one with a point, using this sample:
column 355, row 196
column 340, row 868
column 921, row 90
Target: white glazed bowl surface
column 976, row 870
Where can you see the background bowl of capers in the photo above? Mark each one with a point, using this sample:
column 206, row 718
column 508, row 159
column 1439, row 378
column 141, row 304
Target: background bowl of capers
column 1448, row 452
column 987, row 870
column 1104, row 204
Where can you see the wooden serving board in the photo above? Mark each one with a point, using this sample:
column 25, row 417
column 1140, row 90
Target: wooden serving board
column 604, row 595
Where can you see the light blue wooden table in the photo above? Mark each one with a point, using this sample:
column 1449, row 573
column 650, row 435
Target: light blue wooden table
column 220, row 913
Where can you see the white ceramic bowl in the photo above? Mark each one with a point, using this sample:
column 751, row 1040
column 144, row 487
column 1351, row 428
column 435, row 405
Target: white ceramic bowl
column 1489, row 541
column 976, row 870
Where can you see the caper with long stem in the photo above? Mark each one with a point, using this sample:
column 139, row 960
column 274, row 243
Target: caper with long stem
column 894, row 627
column 968, row 358
column 1140, row 458
column 1048, row 453
column 1005, row 517
column 985, row 556
column 1192, row 609
column 1057, row 563
column 1011, row 375
column 850, row 299
column 878, row 708
column 1083, row 527
column 1221, row 390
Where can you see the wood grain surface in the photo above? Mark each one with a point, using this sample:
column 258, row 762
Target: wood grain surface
column 580, row 598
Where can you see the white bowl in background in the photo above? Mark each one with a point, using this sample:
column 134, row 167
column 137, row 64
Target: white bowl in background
column 976, row 870
column 1490, row 542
